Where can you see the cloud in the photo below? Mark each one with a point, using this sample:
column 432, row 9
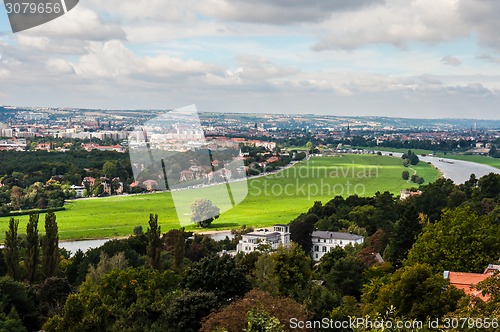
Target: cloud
column 113, row 60
column 394, row 22
column 80, row 23
column 278, row 11
column 482, row 18
column 451, row 61
column 489, row 58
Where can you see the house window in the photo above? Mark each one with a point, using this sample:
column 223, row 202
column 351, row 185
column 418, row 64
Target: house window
column 316, row 256
column 324, row 249
column 340, row 241
column 316, row 248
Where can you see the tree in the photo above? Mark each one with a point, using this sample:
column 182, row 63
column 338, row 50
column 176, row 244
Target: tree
column 233, row 317
column 460, row 241
column 217, row 274
column 32, row 248
column 203, row 212
column 154, row 242
column 11, row 250
column 346, row 276
column 258, row 319
column 124, row 300
column 405, row 175
column 417, row 293
column 50, row 246
column 301, row 229
column 179, row 249
column 15, row 297
column 16, row 198
column 286, row 271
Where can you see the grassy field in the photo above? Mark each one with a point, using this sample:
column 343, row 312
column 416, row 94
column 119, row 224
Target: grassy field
column 494, row 162
column 276, row 198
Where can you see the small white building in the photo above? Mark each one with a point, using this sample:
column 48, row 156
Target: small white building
column 278, row 236
column 324, row 242
column 78, row 190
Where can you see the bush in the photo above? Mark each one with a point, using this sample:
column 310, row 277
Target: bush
column 405, row 175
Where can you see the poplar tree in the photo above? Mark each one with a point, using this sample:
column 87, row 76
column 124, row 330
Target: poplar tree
column 50, row 245
column 32, row 248
column 11, row 250
column 154, row 242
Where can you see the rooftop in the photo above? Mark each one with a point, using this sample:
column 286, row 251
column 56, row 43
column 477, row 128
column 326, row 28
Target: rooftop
column 336, row 235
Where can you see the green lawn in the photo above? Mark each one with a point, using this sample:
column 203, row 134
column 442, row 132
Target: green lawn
column 276, row 198
column 494, row 162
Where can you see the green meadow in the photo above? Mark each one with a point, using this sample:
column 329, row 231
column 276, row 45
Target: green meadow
column 275, row 198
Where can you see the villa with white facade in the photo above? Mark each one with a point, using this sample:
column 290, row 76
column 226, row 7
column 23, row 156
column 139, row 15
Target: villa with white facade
column 324, row 242
column 278, row 236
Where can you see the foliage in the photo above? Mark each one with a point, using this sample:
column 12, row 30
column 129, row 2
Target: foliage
column 286, row 271
column 106, row 265
column 233, row 317
column 217, row 274
column 259, row 320
column 301, row 229
column 416, row 293
column 124, row 300
column 15, row 297
column 460, row 241
column 405, row 175
column 31, row 258
column 11, row 251
column 203, row 212
column 50, row 246
column 154, row 242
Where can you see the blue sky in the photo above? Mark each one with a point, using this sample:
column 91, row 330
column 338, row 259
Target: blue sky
column 418, row 58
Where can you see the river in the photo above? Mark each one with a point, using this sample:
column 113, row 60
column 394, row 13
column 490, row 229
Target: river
column 85, row 245
column 457, row 170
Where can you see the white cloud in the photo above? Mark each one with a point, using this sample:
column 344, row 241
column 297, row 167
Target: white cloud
column 394, row 22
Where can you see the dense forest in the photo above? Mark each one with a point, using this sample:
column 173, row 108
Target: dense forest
column 179, row 281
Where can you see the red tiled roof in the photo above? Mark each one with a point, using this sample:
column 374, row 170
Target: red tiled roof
column 467, row 281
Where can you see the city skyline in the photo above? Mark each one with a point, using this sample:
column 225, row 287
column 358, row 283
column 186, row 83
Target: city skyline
column 418, row 59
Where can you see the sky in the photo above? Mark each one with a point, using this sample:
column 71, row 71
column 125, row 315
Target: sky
column 399, row 58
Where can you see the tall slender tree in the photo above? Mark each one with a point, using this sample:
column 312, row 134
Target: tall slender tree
column 179, row 249
column 154, row 242
column 11, row 250
column 32, row 248
column 50, row 245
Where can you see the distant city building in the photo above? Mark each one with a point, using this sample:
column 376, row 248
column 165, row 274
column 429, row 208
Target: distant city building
column 324, row 242
column 279, row 236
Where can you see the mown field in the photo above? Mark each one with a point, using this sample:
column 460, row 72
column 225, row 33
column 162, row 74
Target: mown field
column 276, row 198
column 494, row 162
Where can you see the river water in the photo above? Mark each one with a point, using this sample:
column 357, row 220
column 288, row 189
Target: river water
column 85, row 245
column 457, row 170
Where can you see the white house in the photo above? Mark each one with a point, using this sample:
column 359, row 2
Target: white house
column 278, row 236
column 324, row 242
column 78, row 190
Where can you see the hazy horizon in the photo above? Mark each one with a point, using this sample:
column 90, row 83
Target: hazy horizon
column 416, row 59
